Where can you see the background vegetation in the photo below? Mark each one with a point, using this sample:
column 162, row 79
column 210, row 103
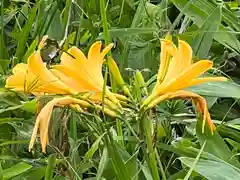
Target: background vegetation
column 78, row 150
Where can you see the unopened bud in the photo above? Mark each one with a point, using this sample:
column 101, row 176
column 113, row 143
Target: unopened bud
column 141, row 82
column 117, row 75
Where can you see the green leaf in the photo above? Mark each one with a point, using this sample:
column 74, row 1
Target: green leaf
column 6, row 120
column 35, row 174
column 16, row 170
column 6, row 143
column 218, row 89
column 102, row 164
column 124, row 32
column 194, row 163
column 30, row 50
column 50, row 167
column 215, row 143
column 119, row 166
column 22, row 42
column 213, row 170
column 30, row 106
column 4, row 61
column 200, row 10
column 136, row 20
column 55, row 30
column 147, row 172
column 93, row 148
column 3, row 52
column 7, row 18
column 203, row 40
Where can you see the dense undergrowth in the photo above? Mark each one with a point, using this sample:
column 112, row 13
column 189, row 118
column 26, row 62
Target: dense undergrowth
column 129, row 135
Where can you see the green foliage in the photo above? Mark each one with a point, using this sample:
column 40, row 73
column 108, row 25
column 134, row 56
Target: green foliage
column 90, row 146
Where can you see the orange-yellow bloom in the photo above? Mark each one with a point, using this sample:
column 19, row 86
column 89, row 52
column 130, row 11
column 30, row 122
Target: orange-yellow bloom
column 76, row 74
column 176, row 72
column 35, row 78
column 84, row 74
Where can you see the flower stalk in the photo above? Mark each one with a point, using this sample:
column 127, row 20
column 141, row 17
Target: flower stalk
column 146, row 130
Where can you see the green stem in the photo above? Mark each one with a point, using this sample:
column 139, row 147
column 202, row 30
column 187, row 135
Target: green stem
column 1, row 171
column 73, row 127
column 107, row 40
column 104, row 21
column 119, row 131
column 151, row 159
column 106, row 37
column 160, row 165
column 2, row 13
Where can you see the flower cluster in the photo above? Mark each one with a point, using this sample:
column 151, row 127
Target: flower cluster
column 78, row 79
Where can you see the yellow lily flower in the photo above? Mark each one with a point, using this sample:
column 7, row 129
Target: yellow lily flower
column 35, row 78
column 176, row 72
column 84, row 74
column 76, row 74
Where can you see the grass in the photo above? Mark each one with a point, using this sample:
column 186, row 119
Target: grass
column 164, row 144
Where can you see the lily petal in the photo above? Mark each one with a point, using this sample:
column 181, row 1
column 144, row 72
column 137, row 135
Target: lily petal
column 20, row 68
column 165, row 59
column 75, row 61
column 183, row 79
column 205, row 79
column 43, row 119
column 198, row 100
column 37, row 67
column 94, row 51
column 87, row 68
column 106, row 50
column 69, row 76
column 185, row 51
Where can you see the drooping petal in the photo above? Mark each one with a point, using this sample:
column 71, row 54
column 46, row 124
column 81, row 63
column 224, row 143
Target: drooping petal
column 199, row 101
column 43, row 118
